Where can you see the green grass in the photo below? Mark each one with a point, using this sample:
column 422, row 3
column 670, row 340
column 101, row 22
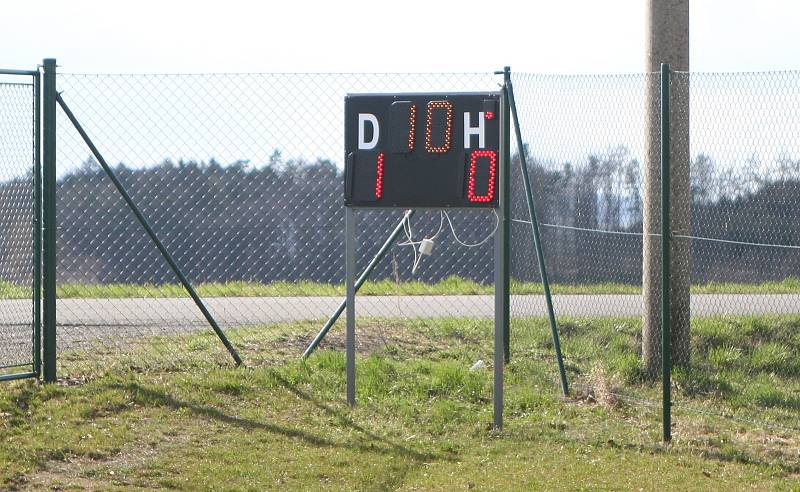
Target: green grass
column 449, row 286
column 137, row 419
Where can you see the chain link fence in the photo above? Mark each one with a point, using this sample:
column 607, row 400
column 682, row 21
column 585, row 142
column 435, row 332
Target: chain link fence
column 735, row 153
column 744, row 173
column 17, row 346
column 240, row 175
column 587, row 146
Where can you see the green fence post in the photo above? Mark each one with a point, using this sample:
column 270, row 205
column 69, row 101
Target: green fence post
column 49, row 221
column 37, row 225
column 505, row 195
column 666, row 355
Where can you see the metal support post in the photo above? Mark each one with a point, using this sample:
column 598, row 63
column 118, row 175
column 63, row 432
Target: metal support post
column 666, row 352
column 501, row 269
column 350, row 273
column 49, row 221
column 37, row 225
column 537, row 240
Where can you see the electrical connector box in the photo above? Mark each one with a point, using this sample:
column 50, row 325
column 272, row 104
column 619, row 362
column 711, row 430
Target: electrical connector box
column 426, row 246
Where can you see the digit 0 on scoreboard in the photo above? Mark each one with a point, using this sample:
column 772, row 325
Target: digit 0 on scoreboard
column 422, row 150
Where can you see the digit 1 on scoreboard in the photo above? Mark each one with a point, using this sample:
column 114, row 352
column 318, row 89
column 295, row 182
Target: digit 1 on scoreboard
column 402, row 127
column 379, row 176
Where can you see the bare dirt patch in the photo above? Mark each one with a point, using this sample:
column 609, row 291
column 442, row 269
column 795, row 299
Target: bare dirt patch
column 84, row 472
column 387, row 338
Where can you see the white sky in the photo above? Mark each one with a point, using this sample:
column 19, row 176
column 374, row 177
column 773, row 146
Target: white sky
column 554, row 36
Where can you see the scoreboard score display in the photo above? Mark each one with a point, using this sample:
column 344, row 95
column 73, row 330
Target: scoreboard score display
column 422, row 150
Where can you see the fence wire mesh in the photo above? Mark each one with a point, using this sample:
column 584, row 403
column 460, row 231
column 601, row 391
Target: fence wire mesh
column 16, row 226
column 735, row 165
column 240, row 175
column 744, row 245
column 588, row 140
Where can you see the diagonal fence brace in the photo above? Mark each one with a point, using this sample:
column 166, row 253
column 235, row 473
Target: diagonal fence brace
column 359, row 282
column 537, row 239
column 150, row 232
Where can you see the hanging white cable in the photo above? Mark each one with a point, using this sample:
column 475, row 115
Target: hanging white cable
column 483, row 241
column 442, row 216
column 410, row 242
column 415, row 244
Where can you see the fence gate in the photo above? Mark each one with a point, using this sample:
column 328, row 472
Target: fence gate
column 20, row 240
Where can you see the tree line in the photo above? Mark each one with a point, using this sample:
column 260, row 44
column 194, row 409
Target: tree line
column 284, row 221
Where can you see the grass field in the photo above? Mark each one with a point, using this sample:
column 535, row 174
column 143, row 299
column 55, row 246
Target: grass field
column 134, row 420
column 449, row 286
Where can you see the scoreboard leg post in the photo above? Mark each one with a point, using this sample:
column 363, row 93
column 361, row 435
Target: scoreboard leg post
column 499, row 330
column 501, row 272
column 350, row 271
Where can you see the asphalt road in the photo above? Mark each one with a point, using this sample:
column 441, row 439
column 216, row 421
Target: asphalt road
column 257, row 310
column 82, row 319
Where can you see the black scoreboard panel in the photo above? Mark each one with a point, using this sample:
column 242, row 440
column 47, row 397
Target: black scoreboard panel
column 422, row 150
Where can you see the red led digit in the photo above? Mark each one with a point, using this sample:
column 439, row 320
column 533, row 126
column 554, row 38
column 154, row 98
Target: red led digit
column 448, row 129
column 379, row 177
column 402, row 127
column 489, row 115
column 477, row 155
column 412, row 122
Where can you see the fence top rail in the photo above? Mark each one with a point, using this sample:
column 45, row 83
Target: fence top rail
column 300, row 74
column 412, row 73
column 738, row 72
column 8, row 71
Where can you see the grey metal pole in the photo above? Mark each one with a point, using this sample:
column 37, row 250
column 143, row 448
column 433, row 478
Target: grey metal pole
column 501, row 272
column 49, row 221
column 537, row 240
column 350, row 273
column 363, row 278
column 150, row 232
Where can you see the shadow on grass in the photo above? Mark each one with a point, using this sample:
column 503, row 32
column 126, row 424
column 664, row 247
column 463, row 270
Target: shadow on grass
column 156, row 397
column 345, row 420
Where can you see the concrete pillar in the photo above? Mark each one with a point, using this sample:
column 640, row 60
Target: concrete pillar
column 667, row 41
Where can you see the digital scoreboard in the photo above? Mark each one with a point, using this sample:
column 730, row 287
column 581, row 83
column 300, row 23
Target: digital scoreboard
column 422, row 150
